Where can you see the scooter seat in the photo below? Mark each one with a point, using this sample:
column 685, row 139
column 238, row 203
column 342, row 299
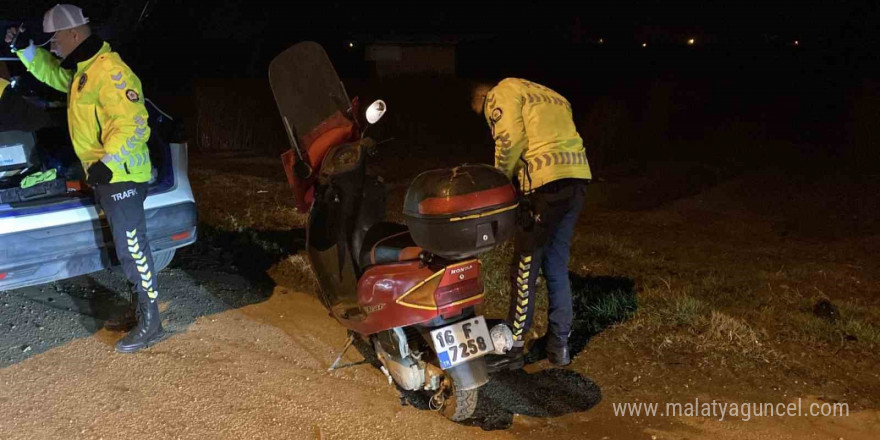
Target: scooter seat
column 387, row 242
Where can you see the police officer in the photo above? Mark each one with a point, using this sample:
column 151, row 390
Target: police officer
column 107, row 121
column 537, row 146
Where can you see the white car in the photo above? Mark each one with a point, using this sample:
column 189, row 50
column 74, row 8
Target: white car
column 51, row 238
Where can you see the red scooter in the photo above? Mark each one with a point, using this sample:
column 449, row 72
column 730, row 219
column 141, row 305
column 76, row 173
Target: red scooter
column 410, row 291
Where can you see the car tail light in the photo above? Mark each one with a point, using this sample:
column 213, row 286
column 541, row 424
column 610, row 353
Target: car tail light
column 180, row 236
column 2, row 276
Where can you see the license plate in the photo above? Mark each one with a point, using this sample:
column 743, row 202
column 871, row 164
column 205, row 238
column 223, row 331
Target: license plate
column 462, row 342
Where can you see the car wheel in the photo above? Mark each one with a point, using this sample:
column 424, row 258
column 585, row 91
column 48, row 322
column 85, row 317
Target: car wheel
column 162, row 259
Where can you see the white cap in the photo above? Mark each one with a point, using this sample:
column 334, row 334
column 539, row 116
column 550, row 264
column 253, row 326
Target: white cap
column 62, row 17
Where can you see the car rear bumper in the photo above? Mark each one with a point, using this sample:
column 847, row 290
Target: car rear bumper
column 41, row 244
column 58, row 252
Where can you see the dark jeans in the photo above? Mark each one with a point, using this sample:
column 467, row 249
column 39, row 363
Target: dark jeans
column 123, row 205
column 543, row 241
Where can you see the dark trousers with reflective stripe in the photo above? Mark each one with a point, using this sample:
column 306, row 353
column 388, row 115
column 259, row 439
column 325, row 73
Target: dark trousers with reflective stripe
column 543, row 241
column 123, row 205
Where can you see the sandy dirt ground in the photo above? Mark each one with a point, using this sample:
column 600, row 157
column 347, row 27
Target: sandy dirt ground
column 259, row 371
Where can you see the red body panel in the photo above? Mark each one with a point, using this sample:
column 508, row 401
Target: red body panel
column 381, row 286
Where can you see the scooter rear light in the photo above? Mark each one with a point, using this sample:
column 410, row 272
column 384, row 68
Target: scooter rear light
column 456, row 284
column 459, row 292
column 461, row 283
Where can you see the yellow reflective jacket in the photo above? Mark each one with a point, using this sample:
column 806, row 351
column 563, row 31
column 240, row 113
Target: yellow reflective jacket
column 532, row 125
column 3, row 84
column 106, row 116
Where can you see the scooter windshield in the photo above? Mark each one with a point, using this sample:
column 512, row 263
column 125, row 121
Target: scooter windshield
column 308, row 92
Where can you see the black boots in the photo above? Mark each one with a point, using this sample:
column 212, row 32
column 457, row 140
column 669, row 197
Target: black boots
column 557, row 351
column 558, row 354
column 512, row 360
column 148, row 330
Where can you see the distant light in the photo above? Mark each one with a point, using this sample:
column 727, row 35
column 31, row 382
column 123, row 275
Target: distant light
column 350, row 44
column 692, row 41
column 601, row 41
column 797, row 43
column 644, row 44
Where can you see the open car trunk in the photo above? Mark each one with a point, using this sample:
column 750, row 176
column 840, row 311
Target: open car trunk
column 30, row 152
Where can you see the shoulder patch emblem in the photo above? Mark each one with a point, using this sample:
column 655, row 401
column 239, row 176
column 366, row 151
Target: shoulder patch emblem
column 496, row 115
column 132, row 95
column 82, row 82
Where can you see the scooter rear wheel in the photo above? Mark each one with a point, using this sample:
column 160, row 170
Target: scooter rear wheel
column 460, row 404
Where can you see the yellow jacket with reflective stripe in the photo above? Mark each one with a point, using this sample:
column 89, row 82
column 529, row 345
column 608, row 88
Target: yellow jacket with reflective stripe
column 106, row 116
column 535, row 136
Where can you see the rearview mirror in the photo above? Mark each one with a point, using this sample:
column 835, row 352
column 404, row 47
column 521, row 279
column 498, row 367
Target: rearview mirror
column 375, row 111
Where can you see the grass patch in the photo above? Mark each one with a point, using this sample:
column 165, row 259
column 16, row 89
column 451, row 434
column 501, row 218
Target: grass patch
column 856, row 323
column 496, row 274
column 687, row 310
column 861, row 322
column 677, row 317
column 295, row 273
column 732, row 335
column 609, row 245
column 733, row 315
column 678, row 307
column 862, row 331
column 269, row 205
column 600, row 302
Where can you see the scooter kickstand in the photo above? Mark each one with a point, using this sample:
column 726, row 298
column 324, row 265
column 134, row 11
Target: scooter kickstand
column 344, row 349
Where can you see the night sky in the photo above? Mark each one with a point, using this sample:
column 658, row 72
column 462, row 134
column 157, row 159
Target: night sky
column 238, row 38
